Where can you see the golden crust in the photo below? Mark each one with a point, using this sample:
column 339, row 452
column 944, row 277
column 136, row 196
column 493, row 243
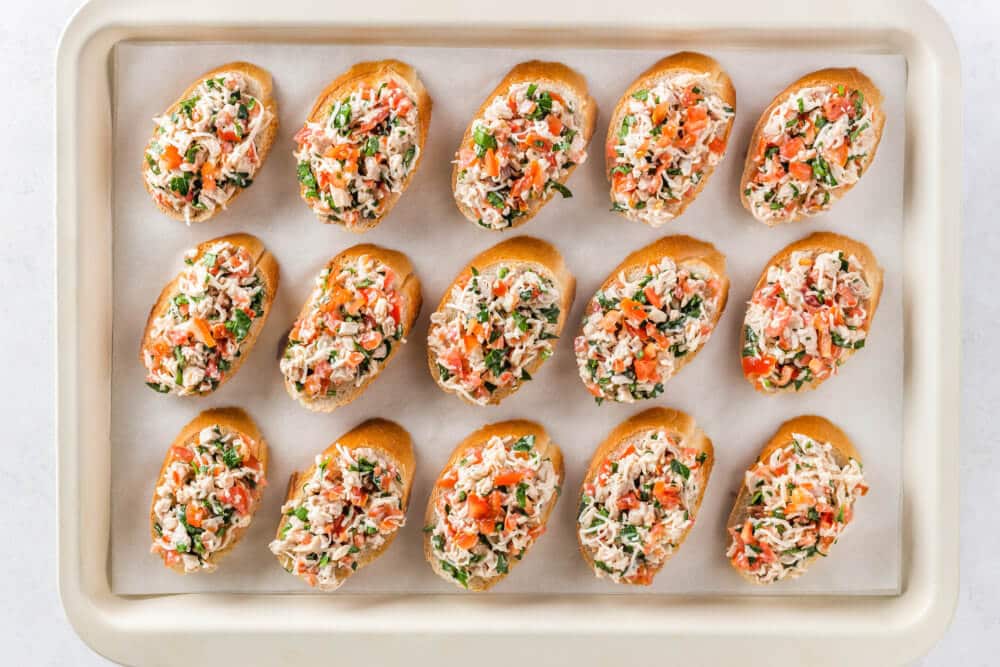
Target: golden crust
column 850, row 78
column 544, row 73
column 232, row 419
column 516, row 428
column 266, row 267
column 518, row 251
column 671, row 421
column 265, row 139
column 683, row 250
column 383, row 435
column 819, row 429
column 408, row 285
column 371, row 73
column 678, row 63
column 825, row 242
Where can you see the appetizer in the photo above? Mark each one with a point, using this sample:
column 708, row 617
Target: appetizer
column 641, row 494
column 358, row 315
column 795, row 501
column 650, row 317
column 491, row 502
column 207, row 319
column 209, row 144
column 522, row 144
column 208, row 490
column 344, row 510
column 667, row 134
column 497, row 323
column 811, row 145
column 811, row 310
column 362, row 143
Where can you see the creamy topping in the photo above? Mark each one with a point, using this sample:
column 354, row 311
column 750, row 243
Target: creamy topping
column 817, row 140
column 197, row 339
column 210, row 488
column 640, row 505
column 800, row 503
column 491, row 507
column 361, row 153
column 494, row 325
column 205, row 152
column 350, row 506
column 521, row 148
column 637, row 330
column 669, row 135
column 809, row 315
column 353, row 321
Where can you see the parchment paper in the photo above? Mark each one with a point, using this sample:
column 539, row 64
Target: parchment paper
column 865, row 400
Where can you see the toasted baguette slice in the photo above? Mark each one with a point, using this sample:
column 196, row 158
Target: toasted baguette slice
column 688, row 69
column 568, row 83
column 818, row 242
column 265, row 266
column 389, row 440
column 522, row 252
column 405, row 283
column 817, row 428
column 851, row 80
column 697, row 256
column 513, row 431
column 375, row 74
column 231, row 421
column 696, row 452
column 261, row 78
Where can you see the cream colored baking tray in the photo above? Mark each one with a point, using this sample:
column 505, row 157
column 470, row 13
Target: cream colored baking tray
column 588, row 629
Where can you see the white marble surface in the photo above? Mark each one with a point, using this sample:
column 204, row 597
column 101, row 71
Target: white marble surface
column 33, row 628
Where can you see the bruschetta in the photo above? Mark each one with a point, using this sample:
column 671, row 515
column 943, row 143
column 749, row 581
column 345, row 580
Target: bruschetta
column 491, row 503
column 641, row 494
column 795, row 501
column 666, row 136
column 650, row 318
column 344, row 511
column 210, row 143
column 498, row 321
column 207, row 319
column 522, row 144
column 811, row 310
column 358, row 315
column 362, row 143
column 811, row 145
column 208, row 489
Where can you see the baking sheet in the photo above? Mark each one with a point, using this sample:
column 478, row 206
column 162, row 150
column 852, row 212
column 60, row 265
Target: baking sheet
column 866, row 400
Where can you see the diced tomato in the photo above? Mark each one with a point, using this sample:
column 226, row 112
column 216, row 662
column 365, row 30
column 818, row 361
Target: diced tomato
column 695, row 120
column 371, row 340
column 717, row 145
column 555, row 125
column 195, row 514
column 181, row 454
column 835, row 107
column 653, row 298
column 237, row 496
column 491, row 163
column 645, row 370
column 668, row 496
column 633, row 310
column 800, row 171
column 839, row 154
column 466, row 540
column 508, row 478
column 690, row 97
column 171, row 157
column 660, row 112
column 792, row 147
column 478, row 507
column 628, row 501
column 757, row 365
column 228, row 134
column 500, row 289
column 448, row 479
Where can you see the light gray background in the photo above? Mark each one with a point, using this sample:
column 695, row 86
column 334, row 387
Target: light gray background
column 866, row 400
column 32, row 625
